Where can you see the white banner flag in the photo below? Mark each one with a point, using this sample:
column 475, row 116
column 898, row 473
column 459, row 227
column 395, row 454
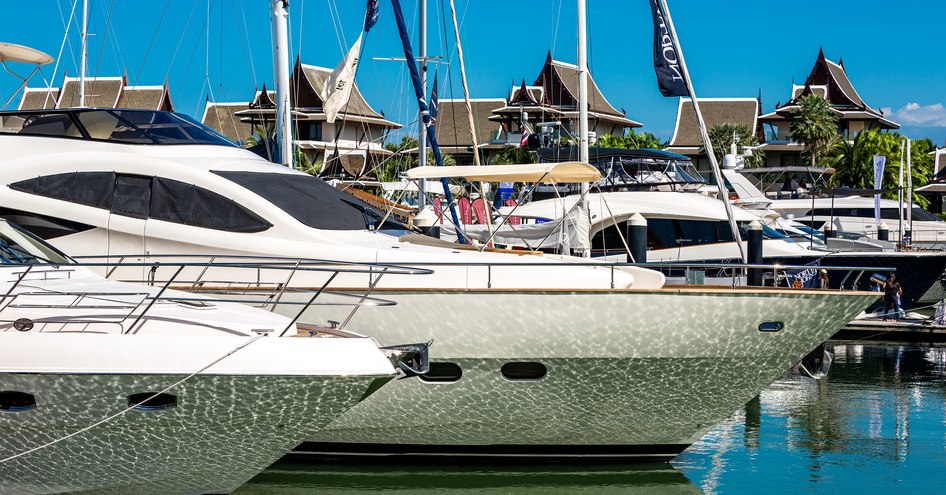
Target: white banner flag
column 338, row 86
column 879, row 162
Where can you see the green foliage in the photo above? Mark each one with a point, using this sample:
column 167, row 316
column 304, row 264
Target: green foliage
column 259, row 134
column 632, row 140
column 513, row 154
column 721, row 136
column 401, row 162
column 854, row 162
column 814, row 125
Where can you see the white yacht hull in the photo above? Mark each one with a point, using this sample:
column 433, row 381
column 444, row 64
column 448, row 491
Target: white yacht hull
column 228, row 423
column 613, row 387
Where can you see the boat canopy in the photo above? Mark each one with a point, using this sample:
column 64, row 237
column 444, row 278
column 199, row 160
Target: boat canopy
column 546, row 173
column 19, row 53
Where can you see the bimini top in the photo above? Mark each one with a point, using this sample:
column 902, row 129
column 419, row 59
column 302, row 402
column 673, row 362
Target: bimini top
column 111, row 125
column 546, row 173
column 19, row 53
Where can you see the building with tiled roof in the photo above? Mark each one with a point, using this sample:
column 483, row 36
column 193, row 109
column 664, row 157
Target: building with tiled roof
column 349, row 148
column 553, row 99
column 100, row 92
column 687, row 140
column 828, row 80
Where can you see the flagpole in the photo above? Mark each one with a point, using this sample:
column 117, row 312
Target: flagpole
column 279, row 13
column 583, row 111
column 421, row 132
column 723, row 192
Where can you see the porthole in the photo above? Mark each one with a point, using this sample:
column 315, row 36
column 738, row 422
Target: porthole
column 13, row 402
column 771, row 326
column 442, row 373
column 148, row 401
column 523, row 371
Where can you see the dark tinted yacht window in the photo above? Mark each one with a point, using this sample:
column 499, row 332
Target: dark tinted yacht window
column 142, row 197
column 179, row 202
column 132, row 196
column 310, row 200
column 84, row 188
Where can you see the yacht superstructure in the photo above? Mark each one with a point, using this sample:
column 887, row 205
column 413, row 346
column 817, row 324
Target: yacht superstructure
column 533, row 354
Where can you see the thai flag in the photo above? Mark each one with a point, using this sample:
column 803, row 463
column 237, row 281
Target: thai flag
column 526, row 132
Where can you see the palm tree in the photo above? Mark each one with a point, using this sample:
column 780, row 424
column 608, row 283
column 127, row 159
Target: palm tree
column 814, row 125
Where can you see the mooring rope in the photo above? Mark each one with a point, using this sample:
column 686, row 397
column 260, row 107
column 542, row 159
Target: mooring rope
column 129, row 408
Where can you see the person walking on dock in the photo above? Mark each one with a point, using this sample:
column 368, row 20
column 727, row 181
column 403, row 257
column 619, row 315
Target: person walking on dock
column 892, row 292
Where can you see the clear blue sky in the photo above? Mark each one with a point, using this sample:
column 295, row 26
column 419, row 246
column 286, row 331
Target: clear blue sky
column 894, row 53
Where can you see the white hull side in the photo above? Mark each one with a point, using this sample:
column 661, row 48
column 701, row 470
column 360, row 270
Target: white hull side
column 224, row 430
column 230, row 422
column 616, row 380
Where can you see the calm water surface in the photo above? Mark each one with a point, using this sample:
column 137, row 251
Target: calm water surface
column 876, row 425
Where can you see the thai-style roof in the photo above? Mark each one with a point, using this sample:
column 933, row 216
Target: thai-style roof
column 453, row 123
column 144, row 97
column 222, row 117
column 102, row 92
column 555, row 91
column 39, row 98
column 307, row 82
column 829, row 80
column 686, row 133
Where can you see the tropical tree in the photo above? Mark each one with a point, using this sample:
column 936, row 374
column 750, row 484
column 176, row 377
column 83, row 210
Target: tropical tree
column 399, row 161
column 854, row 162
column 631, row 140
column 814, row 125
column 721, row 136
column 513, row 154
column 258, row 134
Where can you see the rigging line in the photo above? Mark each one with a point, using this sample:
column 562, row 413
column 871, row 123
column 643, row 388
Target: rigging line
column 180, row 43
column 301, row 24
column 337, row 25
column 191, row 59
column 154, row 37
column 108, row 23
column 116, row 48
column 65, row 40
column 131, row 407
column 248, row 53
column 556, row 21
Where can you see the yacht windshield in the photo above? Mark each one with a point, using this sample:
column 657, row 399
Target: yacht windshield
column 311, row 201
column 120, row 126
column 19, row 246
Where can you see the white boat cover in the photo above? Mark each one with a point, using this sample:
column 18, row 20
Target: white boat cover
column 570, row 234
column 546, row 173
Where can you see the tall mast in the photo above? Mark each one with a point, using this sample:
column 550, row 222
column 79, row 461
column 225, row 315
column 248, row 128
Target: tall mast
column 422, row 133
column 280, row 14
column 723, row 192
column 84, row 50
column 583, row 108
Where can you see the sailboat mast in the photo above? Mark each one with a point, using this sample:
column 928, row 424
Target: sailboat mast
column 583, row 108
column 422, row 133
column 84, row 50
column 707, row 144
column 280, row 14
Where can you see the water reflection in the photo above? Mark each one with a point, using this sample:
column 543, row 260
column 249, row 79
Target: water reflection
column 346, row 478
column 877, row 421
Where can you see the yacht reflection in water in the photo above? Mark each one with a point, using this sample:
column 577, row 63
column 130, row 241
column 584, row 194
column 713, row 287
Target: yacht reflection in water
column 879, row 416
column 346, row 478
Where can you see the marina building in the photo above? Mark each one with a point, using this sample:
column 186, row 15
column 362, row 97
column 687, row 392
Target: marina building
column 548, row 109
column 348, row 148
column 828, row 80
column 686, row 139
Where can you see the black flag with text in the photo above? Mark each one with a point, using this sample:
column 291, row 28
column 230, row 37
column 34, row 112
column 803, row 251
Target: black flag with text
column 666, row 62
